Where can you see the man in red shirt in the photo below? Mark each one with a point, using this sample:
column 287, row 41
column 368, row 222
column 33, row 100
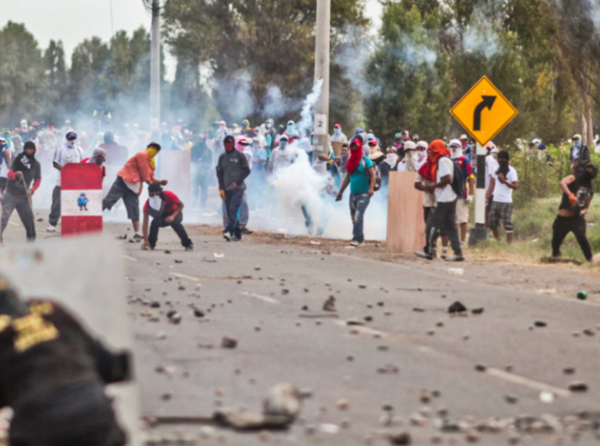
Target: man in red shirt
column 165, row 208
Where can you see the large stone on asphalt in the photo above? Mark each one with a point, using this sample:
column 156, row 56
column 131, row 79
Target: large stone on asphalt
column 457, row 308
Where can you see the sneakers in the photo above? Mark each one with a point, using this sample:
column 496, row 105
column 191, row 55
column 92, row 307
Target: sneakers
column 424, row 255
column 444, row 253
column 356, row 243
column 189, row 248
column 235, row 238
column 227, row 236
column 138, row 237
column 51, row 229
column 246, row 231
column 146, row 248
column 455, row 258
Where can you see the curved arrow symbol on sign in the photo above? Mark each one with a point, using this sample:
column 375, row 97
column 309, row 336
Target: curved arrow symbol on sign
column 488, row 102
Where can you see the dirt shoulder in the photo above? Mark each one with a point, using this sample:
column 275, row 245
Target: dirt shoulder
column 495, row 268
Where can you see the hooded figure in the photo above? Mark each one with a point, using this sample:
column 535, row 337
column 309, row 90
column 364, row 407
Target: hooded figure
column 409, row 162
column 338, row 136
column 389, row 164
column 356, row 155
column 98, row 158
column 292, row 132
column 375, row 153
column 580, row 154
column 24, row 178
column 68, row 406
column 271, row 133
column 437, row 149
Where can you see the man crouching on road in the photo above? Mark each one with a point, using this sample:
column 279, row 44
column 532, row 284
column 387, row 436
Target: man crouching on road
column 165, row 208
column 53, row 376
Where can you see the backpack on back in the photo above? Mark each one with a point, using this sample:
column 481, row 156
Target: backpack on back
column 377, row 174
column 458, row 180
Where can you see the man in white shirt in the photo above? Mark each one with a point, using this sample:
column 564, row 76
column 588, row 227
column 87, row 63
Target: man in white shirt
column 444, row 215
column 68, row 153
column 504, row 181
column 491, row 166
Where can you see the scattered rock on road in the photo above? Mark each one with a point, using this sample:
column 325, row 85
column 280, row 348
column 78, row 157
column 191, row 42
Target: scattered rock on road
column 400, row 438
column 477, row 311
column 280, row 409
column 457, row 308
column 578, row 386
column 480, row 367
column 228, row 342
column 540, row 324
column 329, row 304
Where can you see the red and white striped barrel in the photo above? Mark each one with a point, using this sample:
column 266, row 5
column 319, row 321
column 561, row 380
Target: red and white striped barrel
column 81, row 181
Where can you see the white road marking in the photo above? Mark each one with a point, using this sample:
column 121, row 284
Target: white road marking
column 130, row 258
column 183, row 276
column 260, row 297
column 362, row 329
column 527, row 382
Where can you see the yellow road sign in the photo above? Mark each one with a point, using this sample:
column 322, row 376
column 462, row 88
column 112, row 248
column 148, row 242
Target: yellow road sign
column 484, row 111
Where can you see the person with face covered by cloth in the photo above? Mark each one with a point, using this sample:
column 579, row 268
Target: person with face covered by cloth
column 444, row 214
column 389, row 164
column 501, row 187
column 139, row 169
column 281, row 156
column 338, row 135
column 577, row 197
column 24, row 171
column 232, row 170
column 409, row 162
column 165, row 208
column 53, row 376
column 98, row 158
column 5, row 163
column 361, row 178
column 68, row 153
column 579, row 156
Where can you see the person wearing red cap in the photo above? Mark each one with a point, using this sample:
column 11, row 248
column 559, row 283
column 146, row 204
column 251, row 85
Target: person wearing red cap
column 338, row 135
column 444, row 214
column 361, row 177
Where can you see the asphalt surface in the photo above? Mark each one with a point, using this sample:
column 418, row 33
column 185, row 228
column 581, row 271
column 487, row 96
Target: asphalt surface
column 270, row 298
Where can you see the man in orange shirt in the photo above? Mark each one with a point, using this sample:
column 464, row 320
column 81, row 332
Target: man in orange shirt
column 138, row 169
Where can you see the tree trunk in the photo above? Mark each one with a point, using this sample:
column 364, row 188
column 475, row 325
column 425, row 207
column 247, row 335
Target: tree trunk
column 588, row 129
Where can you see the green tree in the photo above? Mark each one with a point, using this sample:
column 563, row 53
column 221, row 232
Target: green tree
column 409, row 76
column 251, row 45
column 23, row 81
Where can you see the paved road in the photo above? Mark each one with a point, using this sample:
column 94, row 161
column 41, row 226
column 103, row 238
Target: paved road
column 256, row 293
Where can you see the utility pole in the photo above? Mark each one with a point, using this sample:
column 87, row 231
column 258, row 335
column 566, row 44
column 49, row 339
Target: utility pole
column 322, row 56
column 479, row 232
column 155, row 69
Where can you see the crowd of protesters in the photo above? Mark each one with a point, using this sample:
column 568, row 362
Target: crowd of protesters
column 229, row 156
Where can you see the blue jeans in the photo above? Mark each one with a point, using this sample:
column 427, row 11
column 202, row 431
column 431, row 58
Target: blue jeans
column 233, row 204
column 358, row 207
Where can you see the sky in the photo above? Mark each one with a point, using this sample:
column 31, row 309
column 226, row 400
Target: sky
column 72, row 21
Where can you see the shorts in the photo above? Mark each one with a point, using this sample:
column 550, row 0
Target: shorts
column 462, row 211
column 118, row 191
column 501, row 212
column 488, row 207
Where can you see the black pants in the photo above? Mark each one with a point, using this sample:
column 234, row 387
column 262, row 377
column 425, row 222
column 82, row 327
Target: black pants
column 159, row 222
column 233, row 204
column 443, row 218
column 105, row 436
column 3, row 184
column 561, row 228
column 201, row 182
column 23, row 207
column 55, row 209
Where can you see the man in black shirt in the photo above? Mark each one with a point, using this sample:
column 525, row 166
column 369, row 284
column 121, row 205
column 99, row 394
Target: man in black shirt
column 53, row 376
column 232, row 170
column 577, row 197
column 24, row 171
